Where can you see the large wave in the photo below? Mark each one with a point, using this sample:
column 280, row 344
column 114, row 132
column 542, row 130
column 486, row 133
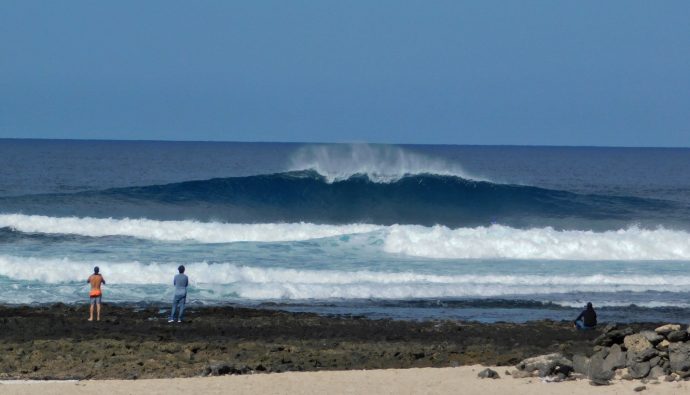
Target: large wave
column 307, row 196
column 212, row 280
column 490, row 242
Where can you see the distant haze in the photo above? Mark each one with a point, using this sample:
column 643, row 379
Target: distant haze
column 612, row 73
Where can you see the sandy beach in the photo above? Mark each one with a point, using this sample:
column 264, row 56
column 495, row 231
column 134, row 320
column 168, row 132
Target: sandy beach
column 392, row 381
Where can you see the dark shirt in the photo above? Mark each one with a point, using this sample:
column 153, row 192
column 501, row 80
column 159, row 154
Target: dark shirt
column 589, row 317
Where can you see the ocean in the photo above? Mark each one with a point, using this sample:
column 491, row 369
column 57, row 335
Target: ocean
column 485, row 233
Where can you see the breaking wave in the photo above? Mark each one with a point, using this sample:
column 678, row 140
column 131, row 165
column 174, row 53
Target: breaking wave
column 502, row 242
column 380, row 163
column 204, row 232
column 307, row 196
column 436, row 242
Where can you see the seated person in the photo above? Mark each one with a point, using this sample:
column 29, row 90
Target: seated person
column 587, row 319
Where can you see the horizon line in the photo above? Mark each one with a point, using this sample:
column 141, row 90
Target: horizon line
column 340, row 142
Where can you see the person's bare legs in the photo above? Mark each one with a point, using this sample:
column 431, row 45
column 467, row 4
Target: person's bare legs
column 91, row 312
column 98, row 312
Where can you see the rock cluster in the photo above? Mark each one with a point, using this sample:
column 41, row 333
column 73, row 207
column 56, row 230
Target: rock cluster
column 620, row 352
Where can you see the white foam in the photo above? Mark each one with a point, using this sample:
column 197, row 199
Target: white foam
column 382, row 163
column 437, row 242
column 212, row 281
column 205, row 232
column 502, row 242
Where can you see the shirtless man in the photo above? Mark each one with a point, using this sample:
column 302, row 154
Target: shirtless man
column 96, row 280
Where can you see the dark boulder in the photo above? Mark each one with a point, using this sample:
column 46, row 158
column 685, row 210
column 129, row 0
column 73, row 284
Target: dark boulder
column 581, row 364
column 656, row 372
column 615, row 359
column 612, row 337
column 597, row 369
column 638, row 370
column 645, row 355
column 677, row 336
column 679, row 356
column 488, row 374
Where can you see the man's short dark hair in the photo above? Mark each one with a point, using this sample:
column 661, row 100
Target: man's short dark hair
column 181, row 269
column 96, row 270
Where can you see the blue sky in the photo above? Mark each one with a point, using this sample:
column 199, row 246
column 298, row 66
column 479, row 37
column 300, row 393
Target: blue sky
column 613, row 73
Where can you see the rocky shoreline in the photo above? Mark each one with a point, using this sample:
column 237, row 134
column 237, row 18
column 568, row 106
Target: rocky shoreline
column 56, row 342
column 618, row 352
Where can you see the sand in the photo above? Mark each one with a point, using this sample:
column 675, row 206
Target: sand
column 460, row 380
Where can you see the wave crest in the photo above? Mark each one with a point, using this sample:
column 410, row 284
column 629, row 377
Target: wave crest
column 380, row 163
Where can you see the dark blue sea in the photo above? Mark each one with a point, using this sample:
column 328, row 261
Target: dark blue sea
column 487, row 233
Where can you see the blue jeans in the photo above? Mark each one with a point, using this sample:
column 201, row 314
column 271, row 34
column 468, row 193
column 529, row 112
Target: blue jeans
column 178, row 302
column 581, row 326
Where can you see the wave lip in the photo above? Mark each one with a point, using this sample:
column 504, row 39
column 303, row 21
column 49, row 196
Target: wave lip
column 379, row 163
column 204, row 232
column 502, row 242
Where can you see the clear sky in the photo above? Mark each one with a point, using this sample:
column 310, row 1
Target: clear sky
column 450, row 72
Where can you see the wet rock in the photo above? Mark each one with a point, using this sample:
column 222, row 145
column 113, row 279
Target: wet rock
column 679, row 356
column 545, row 364
column 638, row 370
column 615, row 359
column 488, row 374
column 636, row 343
column 652, row 336
column 677, row 336
column 666, row 329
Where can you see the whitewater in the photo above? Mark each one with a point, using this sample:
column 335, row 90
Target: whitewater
column 492, row 242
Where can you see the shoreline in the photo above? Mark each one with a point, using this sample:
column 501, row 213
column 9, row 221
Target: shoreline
column 56, row 342
column 398, row 381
